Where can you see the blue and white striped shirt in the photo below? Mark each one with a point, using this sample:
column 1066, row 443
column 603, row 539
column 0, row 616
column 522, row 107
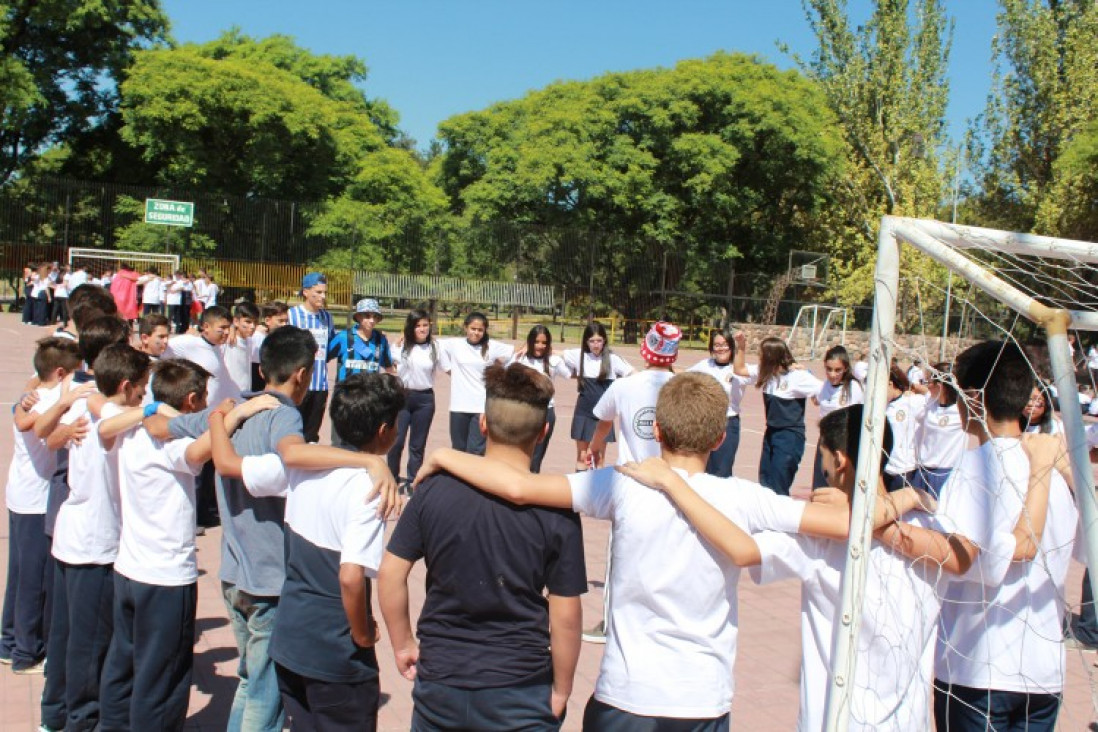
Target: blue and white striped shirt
column 323, row 330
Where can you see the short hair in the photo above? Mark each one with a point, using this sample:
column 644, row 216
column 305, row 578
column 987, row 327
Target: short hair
column 284, row 351
column 104, row 331
column 246, row 310
column 56, row 353
column 841, row 431
column 215, row 313
column 273, row 308
column 88, row 302
column 516, row 403
column 151, row 322
column 176, row 378
column 1003, row 374
column 692, row 412
column 119, row 362
column 362, row 403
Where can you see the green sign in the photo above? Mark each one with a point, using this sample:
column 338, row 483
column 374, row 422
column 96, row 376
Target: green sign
column 169, row 213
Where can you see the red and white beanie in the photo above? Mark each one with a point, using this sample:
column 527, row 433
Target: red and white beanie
column 661, row 344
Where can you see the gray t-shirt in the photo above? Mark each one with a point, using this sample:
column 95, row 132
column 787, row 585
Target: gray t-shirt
column 252, row 537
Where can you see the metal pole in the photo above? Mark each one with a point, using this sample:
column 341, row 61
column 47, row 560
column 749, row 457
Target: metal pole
column 868, row 473
column 949, row 283
column 812, row 341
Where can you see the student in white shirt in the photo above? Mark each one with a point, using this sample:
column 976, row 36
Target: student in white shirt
column 672, row 630
column 79, row 276
column 240, row 352
column 916, row 375
column 840, row 389
column 1038, row 415
column 785, row 387
column 151, row 301
column 417, row 360
column 595, row 366
column 465, row 359
column 632, row 400
column 61, row 289
column 538, row 355
column 208, row 350
column 174, row 300
column 726, row 351
column 1000, row 655
column 940, row 438
column 906, row 407
column 861, row 368
column 23, row 642
column 273, row 315
column 147, row 674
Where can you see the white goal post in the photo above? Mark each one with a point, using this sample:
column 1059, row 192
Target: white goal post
column 81, row 254
column 817, row 322
column 1054, row 294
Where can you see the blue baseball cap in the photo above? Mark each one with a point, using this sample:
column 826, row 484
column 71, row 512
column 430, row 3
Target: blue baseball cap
column 312, row 280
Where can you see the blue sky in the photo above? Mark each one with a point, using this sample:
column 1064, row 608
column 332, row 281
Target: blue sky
column 431, row 59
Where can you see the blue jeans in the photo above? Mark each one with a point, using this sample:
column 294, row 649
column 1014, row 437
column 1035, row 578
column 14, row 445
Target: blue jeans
column 721, row 460
column 258, row 702
column 782, row 451
column 963, row 709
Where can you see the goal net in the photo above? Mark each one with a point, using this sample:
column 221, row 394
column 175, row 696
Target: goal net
column 99, row 260
column 1007, row 623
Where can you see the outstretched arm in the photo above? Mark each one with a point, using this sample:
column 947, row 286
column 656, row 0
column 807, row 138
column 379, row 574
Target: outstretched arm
column 296, row 453
column 392, row 585
column 500, row 479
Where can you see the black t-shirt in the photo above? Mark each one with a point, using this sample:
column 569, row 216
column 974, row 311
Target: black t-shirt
column 485, row 620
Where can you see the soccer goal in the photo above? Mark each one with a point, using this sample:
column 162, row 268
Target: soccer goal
column 939, row 289
column 817, row 328
column 164, row 264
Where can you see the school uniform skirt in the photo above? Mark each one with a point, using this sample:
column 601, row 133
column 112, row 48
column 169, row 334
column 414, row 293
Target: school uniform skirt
column 584, row 420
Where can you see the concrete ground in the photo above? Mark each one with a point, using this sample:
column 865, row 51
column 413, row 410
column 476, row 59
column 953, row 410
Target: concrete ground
column 767, row 666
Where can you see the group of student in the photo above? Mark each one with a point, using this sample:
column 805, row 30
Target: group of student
column 112, row 531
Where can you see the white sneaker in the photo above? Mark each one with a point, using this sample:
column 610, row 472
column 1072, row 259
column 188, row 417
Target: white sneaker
column 596, row 634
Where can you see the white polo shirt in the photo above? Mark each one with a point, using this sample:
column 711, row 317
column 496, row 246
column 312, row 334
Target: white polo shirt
column 670, row 649
column 32, row 463
column 833, row 397
column 210, row 357
column 467, row 365
column 417, row 367
column 905, row 414
column 156, row 483
column 556, row 368
column 733, row 385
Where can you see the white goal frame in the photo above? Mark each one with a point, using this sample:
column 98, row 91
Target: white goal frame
column 945, row 244
column 119, row 256
column 831, row 317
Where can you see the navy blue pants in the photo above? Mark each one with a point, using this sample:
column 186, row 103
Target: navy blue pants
column 599, row 717
column 1086, row 630
column 312, row 413
column 782, row 451
column 146, row 681
column 89, row 600
column 465, row 433
column 415, row 418
column 53, row 707
column 721, row 460
column 964, row 709
column 543, row 446
column 328, row 706
column 23, row 636
column 524, row 706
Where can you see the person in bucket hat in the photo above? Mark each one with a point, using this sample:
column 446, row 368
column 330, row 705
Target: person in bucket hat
column 363, row 349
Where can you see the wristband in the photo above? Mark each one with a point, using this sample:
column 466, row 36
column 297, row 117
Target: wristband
column 150, row 409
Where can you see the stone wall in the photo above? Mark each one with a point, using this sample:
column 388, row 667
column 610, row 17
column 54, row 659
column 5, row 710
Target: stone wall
column 856, row 341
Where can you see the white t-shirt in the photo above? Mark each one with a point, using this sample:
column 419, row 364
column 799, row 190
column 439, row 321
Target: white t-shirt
column 916, row 375
column 212, row 291
column 557, row 367
column 592, row 364
column 77, row 278
column 62, row 288
column 326, row 507
column 32, row 463
column 417, row 368
column 1002, row 620
column 466, row 365
column 860, row 369
column 632, row 402
column 238, row 363
column 200, row 289
column 833, row 397
column 896, row 638
column 733, row 385
column 90, row 519
column 670, row 648
column 210, row 357
column 151, row 294
column 175, row 293
column 940, row 439
column 156, row 483
column 905, row 414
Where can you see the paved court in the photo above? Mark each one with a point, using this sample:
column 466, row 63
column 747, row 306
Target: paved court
column 767, row 667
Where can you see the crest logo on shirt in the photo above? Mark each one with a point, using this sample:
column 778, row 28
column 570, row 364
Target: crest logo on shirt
column 901, row 415
column 643, row 421
column 842, row 400
column 783, row 385
column 943, row 420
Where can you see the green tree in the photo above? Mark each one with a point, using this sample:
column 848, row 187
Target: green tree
column 886, row 83
column 137, row 236
column 1045, row 90
column 60, row 62
column 1071, row 208
column 712, row 163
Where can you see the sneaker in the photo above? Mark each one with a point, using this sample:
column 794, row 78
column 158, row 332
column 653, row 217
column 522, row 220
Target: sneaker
column 596, row 634
column 44, row 728
column 38, row 668
column 1074, row 644
column 5, row 660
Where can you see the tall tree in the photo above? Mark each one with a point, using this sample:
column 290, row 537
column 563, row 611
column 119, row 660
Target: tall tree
column 886, row 83
column 1045, row 91
column 60, row 64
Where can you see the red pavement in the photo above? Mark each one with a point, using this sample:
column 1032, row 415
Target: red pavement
column 767, row 666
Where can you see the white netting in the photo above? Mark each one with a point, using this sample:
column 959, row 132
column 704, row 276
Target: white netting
column 1009, row 632
column 101, row 260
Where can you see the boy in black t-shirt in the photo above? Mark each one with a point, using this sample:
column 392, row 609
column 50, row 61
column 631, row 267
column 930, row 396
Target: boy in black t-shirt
column 484, row 660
